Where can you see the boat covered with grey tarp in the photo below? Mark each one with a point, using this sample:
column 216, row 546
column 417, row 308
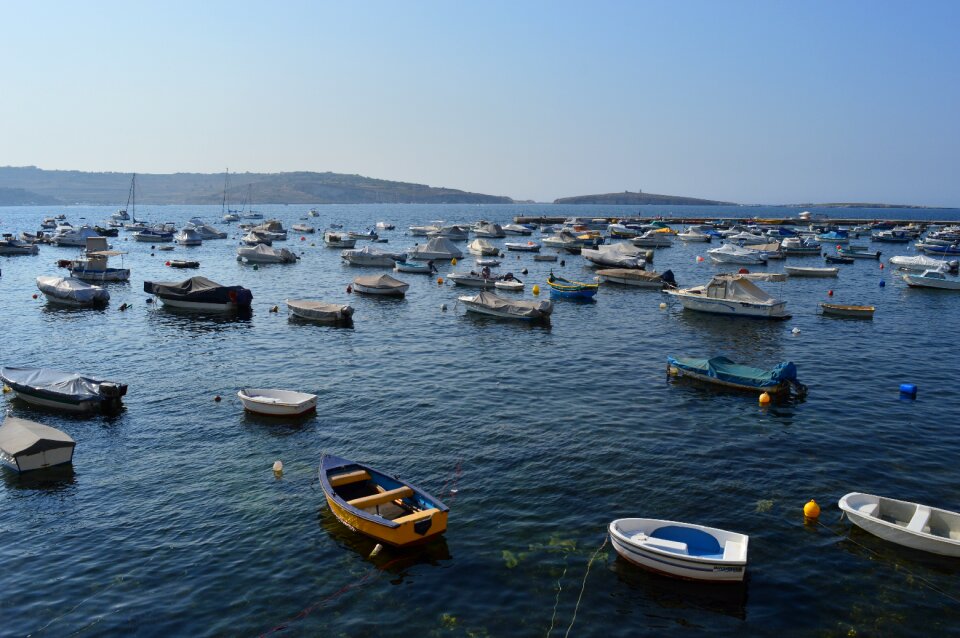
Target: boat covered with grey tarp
column 27, row 445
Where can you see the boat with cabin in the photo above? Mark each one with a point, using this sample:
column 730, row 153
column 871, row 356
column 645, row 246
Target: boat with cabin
column 619, row 255
column 733, row 295
column 10, row 246
column 436, row 248
column 932, row 279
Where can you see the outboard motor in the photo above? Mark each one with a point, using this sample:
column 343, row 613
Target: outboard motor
column 112, row 394
column 667, row 278
column 953, row 265
column 244, row 298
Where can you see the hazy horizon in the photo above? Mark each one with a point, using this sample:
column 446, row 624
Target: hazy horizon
column 749, row 102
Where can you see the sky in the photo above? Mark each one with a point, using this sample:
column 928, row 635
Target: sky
column 752, row 102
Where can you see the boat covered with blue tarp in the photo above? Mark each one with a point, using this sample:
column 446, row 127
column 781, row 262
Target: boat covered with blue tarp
column 725, row 372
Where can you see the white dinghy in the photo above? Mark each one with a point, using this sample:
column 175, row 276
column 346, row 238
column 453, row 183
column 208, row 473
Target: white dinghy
column 262, row 254
column 277, row 402
column 27, row 445
column 909, row 524
column 683, row 550
column 320, row 311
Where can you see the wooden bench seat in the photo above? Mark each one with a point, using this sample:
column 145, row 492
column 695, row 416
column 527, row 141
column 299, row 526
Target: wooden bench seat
column 416, row 516
column 349, row 477
column 383, row 497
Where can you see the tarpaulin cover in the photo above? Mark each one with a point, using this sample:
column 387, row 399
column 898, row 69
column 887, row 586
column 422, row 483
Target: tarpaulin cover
column 517, row 307
column 380, row 281
column 724, row 369
column 72, row 289
column 20, row 436
column 197, row 289
column 70, row 385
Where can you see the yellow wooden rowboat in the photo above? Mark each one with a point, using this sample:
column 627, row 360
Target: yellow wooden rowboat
column 380, row 505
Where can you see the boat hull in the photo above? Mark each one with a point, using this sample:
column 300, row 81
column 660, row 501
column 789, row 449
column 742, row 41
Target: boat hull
column 675, row 565
column 39, row 460
column 198, row 305
column 734, row 308
column 916, row 531
column 382, row 292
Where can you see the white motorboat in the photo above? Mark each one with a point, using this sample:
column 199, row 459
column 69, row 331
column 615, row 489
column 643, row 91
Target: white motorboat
column 319, row 311
column 733, row 254
column 303, row 228
column 277, row 402
column 231, row 217
column 423, row 231
column 633, row 277
column 384, row 285
column 932, row 279
column 622, row 231
column 921, row 263
column 438, row 248
column 488, row 229
column 922, row 527
column 254, row 238
column 28, row 445
column 797, row 271
column 337, row 240
column 731, row 295
column 516, row 229
column 746, row 238
column 482, row 247
column 653, row 239
column 453, row 233
column 418, row 267
column 188, row 236
column 488, row 303
column 262, row 254
column 615, row 256
column 510, row 285
column 73, row 236
column 206, row 231
column 68, row 291
column 153, row 235
column 371, row 256
column 690, row 235
column 93, row 265
column 313, row 213
column 528, row 246
column 682, row 550
column 385, row 226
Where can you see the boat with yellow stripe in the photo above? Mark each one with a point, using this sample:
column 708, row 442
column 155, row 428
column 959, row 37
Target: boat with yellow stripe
column 380, row 505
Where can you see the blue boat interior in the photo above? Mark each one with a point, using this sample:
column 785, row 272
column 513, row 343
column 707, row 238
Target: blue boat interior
column 698, row 542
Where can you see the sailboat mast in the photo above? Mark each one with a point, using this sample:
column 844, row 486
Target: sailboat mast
column 226, row 180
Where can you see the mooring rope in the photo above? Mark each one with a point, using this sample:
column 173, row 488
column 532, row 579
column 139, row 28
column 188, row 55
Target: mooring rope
column 877, row 554
column 556, row 603
column 584, row 586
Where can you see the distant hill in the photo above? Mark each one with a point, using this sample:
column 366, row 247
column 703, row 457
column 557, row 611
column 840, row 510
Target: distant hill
column 31, row 185
column 21, row 197
column 636, row 199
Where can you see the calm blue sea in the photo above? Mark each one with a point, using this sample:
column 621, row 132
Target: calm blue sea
column 171, row 521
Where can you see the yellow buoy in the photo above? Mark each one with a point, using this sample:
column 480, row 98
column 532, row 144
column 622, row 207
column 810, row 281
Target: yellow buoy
column 278, row 467
column 453, row 262
column 764, row 398
column 440, row 280
column 663, row 306
column 6, row 389
column 536, row 289
column 811, row 509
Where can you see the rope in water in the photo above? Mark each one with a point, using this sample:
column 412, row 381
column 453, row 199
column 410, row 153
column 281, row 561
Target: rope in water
column 556, row 603
column 584, row 586
column 921, row 579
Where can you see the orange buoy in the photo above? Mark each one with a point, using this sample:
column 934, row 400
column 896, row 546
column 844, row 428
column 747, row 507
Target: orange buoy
column 811, row 509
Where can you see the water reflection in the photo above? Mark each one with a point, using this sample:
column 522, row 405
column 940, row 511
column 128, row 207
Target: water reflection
column 729, row 599
column 280, row 425
column 486, row 320
column 52, row 479
column 393, row 560
column 199, row 321
column 323, row 325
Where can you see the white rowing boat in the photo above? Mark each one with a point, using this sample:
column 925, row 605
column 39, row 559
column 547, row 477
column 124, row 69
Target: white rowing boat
column 922, row 527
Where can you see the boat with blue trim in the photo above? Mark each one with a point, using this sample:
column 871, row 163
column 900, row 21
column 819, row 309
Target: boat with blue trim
column 681, row 550
column 560, row 287
column 721, row 371
column 380, row 505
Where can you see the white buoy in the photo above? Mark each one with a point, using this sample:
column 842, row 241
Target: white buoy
column 376, row 550
column 278, row 467
column 663, row 306
column 795, row 331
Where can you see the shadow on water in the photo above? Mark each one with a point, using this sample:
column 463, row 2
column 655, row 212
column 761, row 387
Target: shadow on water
column 394, row 560
column 729, row 599
column 294, row 320
column 744, row 332
column 486, row 320
column 52, row 479
column 62, row 312
column 868, row 547
column 280, row 425
column 200, row 321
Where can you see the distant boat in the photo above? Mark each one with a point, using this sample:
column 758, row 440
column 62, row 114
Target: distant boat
column 371, row 256
column 338, row 240
column 733, row 254
column 419, row 267
column 913, row 525
column 839, row 310
column 63, row 390
column 188, row 236
column 723, row 372
column 637, row 278
column 261, row 254
column 682, row 550
column 797, row 271
column 28, row 445
column 380, row 505
column 385, row 226
column 560, row 287
column 10, row 246
column 303, row 228
column 383, row 285
column 932, row 279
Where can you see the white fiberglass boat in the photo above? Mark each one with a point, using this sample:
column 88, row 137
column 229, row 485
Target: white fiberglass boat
column 277, row 402
column 922, row 527
column 731, row 295
column 932, row 279
column 488, row 303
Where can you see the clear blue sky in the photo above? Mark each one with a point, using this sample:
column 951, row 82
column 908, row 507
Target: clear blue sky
column 754, row 102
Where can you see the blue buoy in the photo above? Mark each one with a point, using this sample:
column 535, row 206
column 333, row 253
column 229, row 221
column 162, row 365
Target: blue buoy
column 908, row 390
column 883, row 284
